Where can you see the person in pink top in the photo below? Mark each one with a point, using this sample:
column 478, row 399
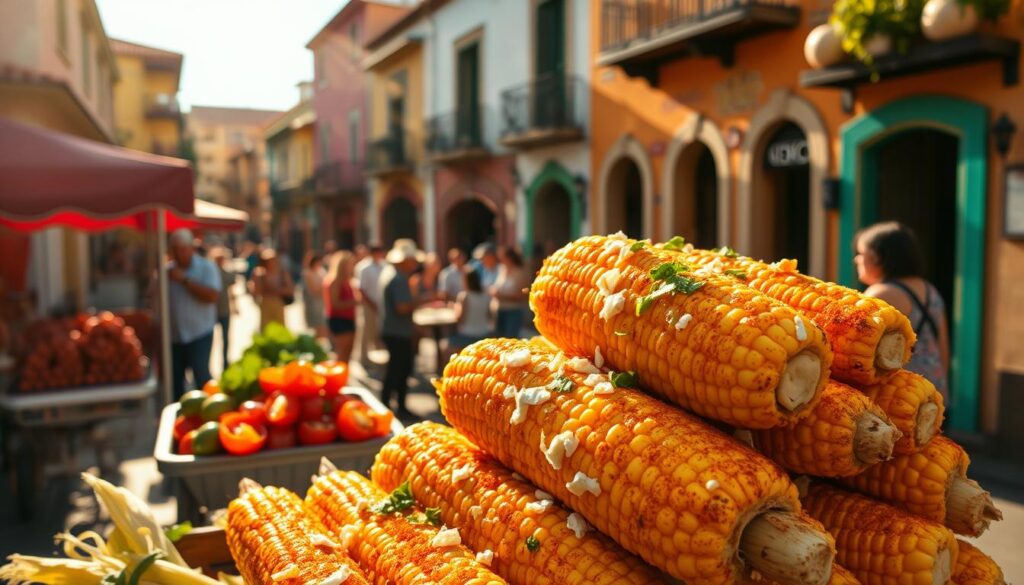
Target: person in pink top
column 340, row 301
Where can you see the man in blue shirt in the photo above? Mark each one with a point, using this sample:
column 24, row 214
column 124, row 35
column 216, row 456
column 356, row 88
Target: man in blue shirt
column 485, row 262
column 397, row 328
column 192, row 291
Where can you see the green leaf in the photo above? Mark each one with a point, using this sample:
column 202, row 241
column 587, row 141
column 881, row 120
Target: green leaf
column 637, row 246
column 175, row 532
column 562, row 385
column 668, row 270
column 144, row 566
column 624, row 379
column 114, row 578
column 399, row 500
column 433, row 516
column 736, row 273
column 532, row 544
column 685, row 284
column 728, row 252
column 675, row 243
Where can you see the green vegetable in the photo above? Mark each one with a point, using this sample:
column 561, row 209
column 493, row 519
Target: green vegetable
column 192, row 402
column 216, row 405
column 736, row 273
column 207, row 439
column 275, row 346
column 637, row 246
column 562, row 385
column 675, row 243
column 727, row 252
column 175, row 532
column 672, row 284
column 624, row 379
column 532, row 544
column 668, row 270
column 398, row 500
column 122, row 577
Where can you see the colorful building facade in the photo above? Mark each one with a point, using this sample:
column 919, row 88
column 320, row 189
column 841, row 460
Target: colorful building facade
column 146, row 112
column 713, row 126
column 291, row 140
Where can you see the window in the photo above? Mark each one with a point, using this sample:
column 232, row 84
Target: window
column 86, row 57
column 62, row 26
column 325, row 142
column 354, row 119
column 467, row 115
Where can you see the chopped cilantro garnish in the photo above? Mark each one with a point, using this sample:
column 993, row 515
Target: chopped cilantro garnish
column 675, row 243
column 668, row 270
column 562, row 385
column 398, row 500
column 175, row 532
column 532, row 544
column 672, row 284
column 727, row 252
column 624, row 379
column 429, row 516
column 736, row 273
column 637, row 246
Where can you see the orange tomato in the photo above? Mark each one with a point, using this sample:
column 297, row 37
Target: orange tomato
column 212, row 387
column 240, row 435
column 335, row 375
column 359, row 422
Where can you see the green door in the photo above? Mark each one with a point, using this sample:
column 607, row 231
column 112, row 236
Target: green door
column 549, row 105
column 467, row 114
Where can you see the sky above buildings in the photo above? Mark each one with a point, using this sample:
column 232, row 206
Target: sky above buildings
column 240, row 53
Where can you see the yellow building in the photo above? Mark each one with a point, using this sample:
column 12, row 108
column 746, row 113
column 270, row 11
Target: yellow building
column 146, row 112
column 290, row 142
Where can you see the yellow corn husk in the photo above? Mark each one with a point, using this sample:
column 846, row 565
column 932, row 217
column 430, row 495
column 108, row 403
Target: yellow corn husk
column 855, row 324
column 725, row 351
column 274, row 541
column 390, row 548
column 912, row 404
column 496, row 510
column 843, row 434
column 659, row 482
column 881, row 544
column 974, row 567
column 933, row 484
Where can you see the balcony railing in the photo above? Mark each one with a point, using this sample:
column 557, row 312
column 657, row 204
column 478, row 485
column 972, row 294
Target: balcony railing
column 457, row 135
column 162, row 105
column 635, row 32
column 390, row 154
column 340, row 176
column 544, row 111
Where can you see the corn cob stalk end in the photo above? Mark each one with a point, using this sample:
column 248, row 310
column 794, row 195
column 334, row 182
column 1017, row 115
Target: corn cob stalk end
column 874, row 439
column 787, row 548
column 799, row 382
column 892, row 347
column 969, row 508
column 927, row 422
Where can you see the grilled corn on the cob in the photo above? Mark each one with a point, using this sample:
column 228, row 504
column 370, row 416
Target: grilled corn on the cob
column 974, row 567
column 685, row 497
column 880, row 544
column 389, row 546
column 843, row 434
column 706, row 342
column 274, row 541
column 869, row 338
column 932, row 483
column 912, row 404
column 497, row 511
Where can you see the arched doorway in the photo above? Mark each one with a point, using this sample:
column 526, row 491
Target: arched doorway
column 625, row 203
column 781, row 201
column 469, row 223
column 695, row 196
column 552, row 219
column 400, row 220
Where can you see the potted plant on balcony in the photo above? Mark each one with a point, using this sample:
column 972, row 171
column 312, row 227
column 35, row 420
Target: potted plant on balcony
column 948, row 19
column 872, row 28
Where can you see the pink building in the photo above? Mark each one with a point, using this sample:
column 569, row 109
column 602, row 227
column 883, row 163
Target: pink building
column 340, row 105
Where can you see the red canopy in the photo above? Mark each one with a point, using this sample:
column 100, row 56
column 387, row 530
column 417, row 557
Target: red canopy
column 47, row 177
column 207, row 217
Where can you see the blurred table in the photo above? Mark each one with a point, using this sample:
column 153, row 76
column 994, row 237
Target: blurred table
column 436, row 318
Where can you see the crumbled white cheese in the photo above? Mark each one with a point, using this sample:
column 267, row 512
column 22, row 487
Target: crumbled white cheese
column 594, row 379
column 683, row 322
column 583, row 366
column 562, row 445
column 461, row 473
column 348, row 534
column 609, row 281
column 624, row 252
column 712, row 268
column 605, row 387
column 711, row 485
column 318, row 540
column 338, row 577
column 613, row 305
column 543, row 495
column 485, row 557
column 801, row 331
column 619, row 235
column 598, row 358
column 525, row 398
column 516, row 358
column 475, row 512
column 509, row 391
column 539, row 367
column 517, row 476
column 577, row 524
column 538, row 507
column 582, row 484
column 446, row 537
column 289, row 572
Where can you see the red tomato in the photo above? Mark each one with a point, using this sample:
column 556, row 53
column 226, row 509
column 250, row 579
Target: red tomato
column 257, row 411
column 281, row 438
column 282, row 410
column 359, row 422
column 184, row 424
column 317, row 432
column 185, row 444
column 239, row 435
column 314, row 407
column 335, row 375
column 212, row 387
column 301, row 381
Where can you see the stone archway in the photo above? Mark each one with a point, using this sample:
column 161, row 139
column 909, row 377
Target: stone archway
column 552, row 192
column 627, row 150
column 698, row 130
column 783, row 106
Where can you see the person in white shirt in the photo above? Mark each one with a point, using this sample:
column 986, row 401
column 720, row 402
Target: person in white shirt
column 472, row 313
column 452, row 275
column 368, row 272
column 509, row 291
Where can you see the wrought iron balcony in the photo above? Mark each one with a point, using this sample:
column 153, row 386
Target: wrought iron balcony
column 162, row 105
column 639, row 35
column 338, row 177
column 457, row 136
column 545, row 111
column 390, row 154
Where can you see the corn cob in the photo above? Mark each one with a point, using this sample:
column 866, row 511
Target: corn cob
column 840, row 576
column 274, row 541
column 869, row 338
column 933, row 484
column 496, row 510
column 974, row 567
column 912, row 404
column 709, row 344
column 880, row 544
column 389, row 547
column 843, row 434
column 685, row 497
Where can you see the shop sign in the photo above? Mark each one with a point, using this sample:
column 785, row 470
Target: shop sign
column 788, row 148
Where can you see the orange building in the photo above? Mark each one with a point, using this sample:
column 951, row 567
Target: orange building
column 708, row 122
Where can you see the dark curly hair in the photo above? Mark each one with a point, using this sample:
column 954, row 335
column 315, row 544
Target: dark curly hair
column 895, row 247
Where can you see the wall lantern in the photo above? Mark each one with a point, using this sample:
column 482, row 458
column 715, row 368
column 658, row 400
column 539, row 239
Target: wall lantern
column 733, row 137
column 1003, row 130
